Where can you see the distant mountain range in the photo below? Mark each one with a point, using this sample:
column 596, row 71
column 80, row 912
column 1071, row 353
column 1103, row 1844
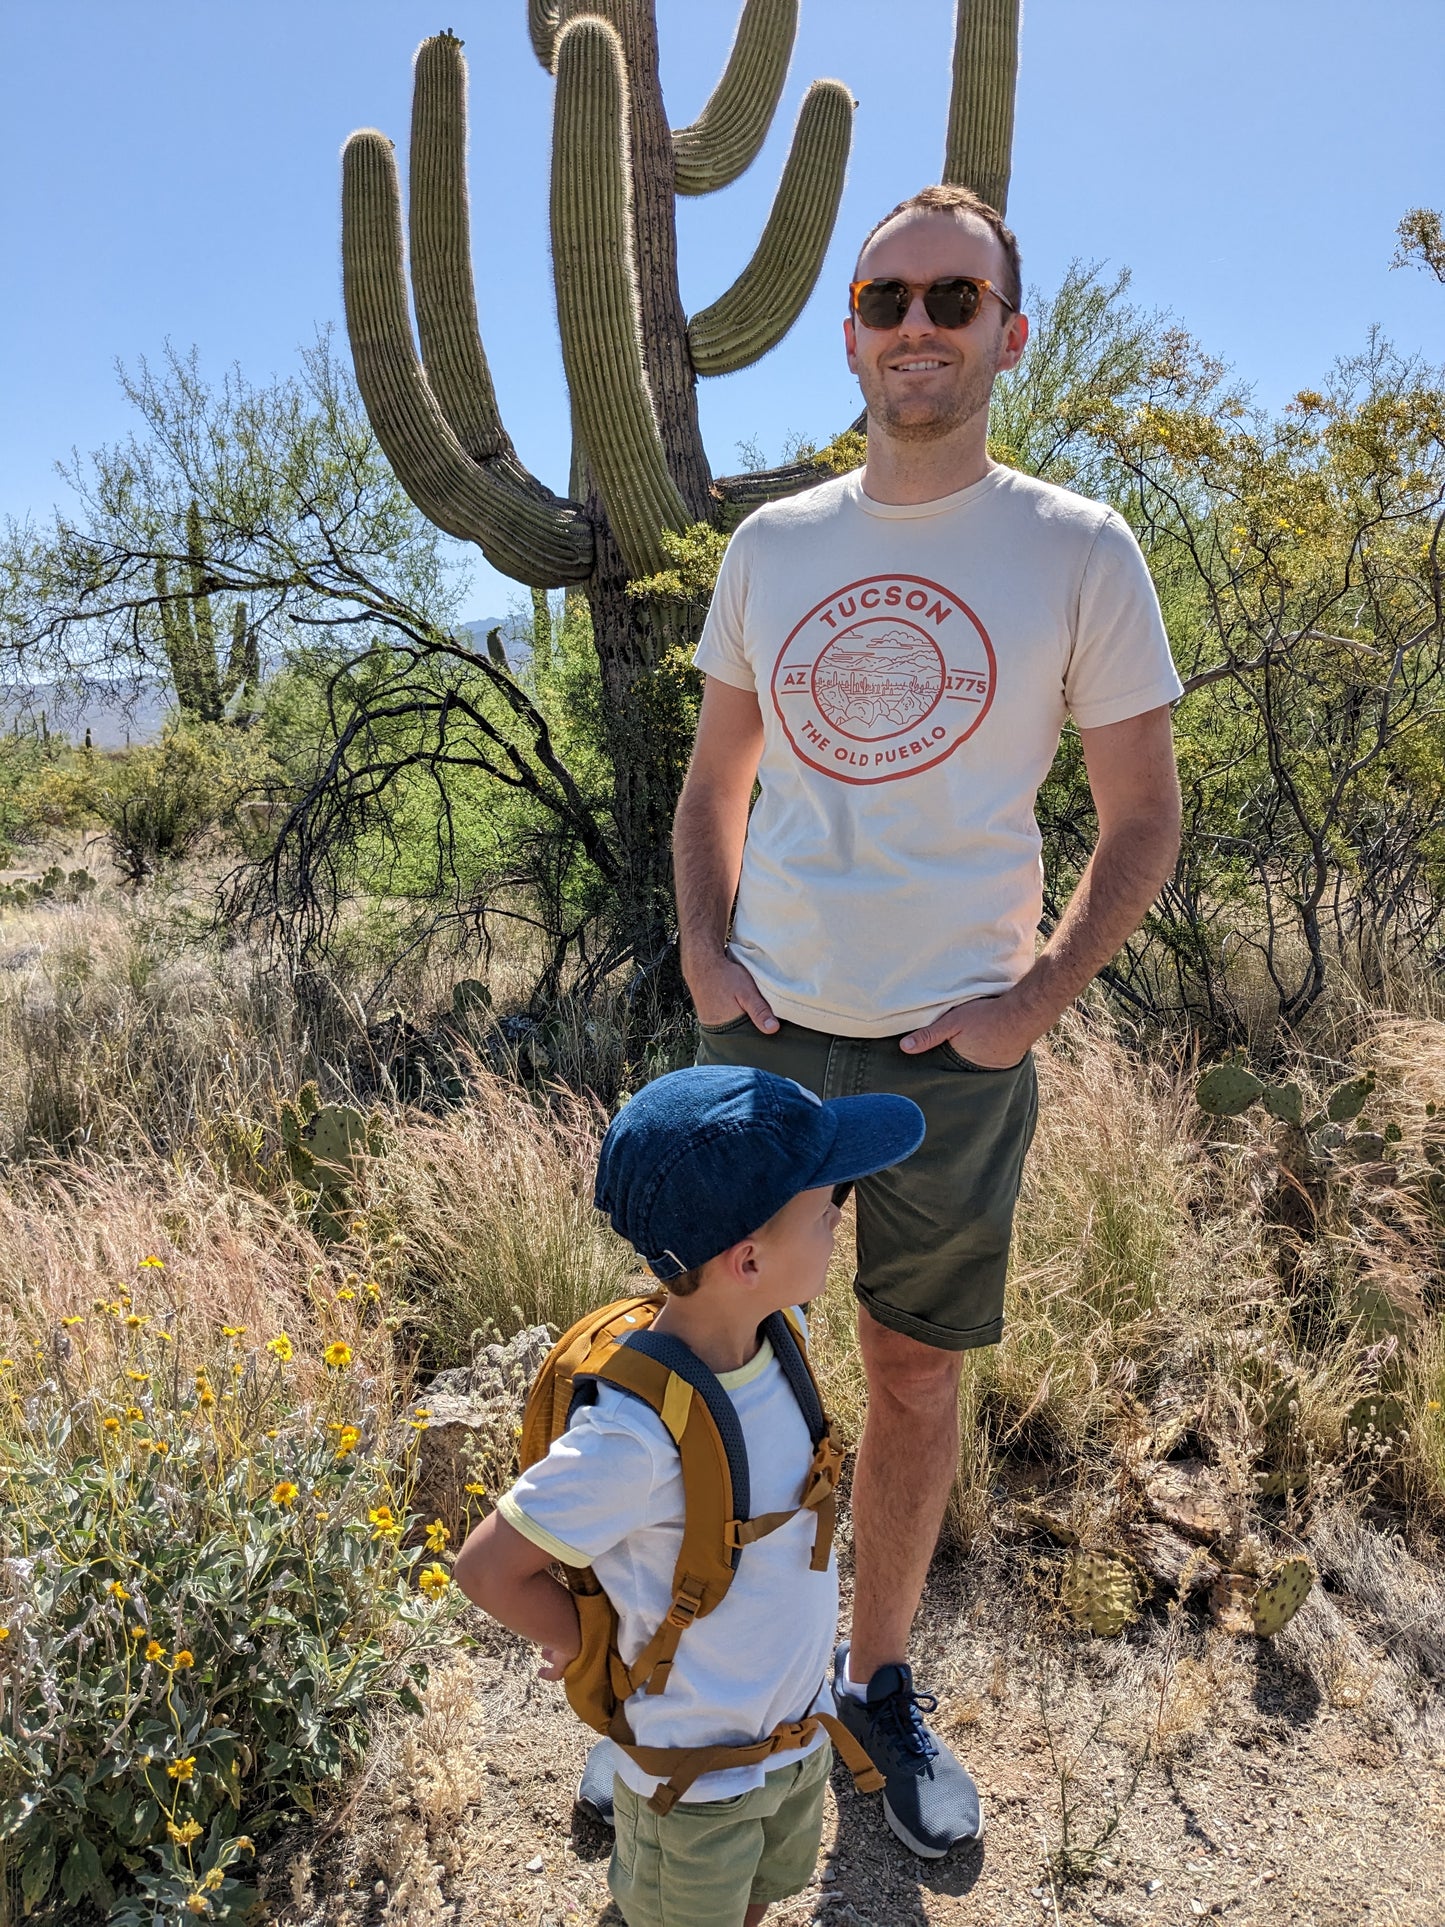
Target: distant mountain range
column 138, row 714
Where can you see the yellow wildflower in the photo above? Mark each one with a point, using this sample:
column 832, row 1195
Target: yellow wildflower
column 349, row 1440
column 137, row 1318
column 6, row 1364
column 384, row 1522
column 284, row 1492
column 139, row 1632
column 213, row 1879
column 141, row 1378
column 337, row 1355
column 234, row 1331
column 4, row 1632
column 197, row 1904
column 155, row 1651
column 206, row 1397
column 434, row 1581
column 134, row 1411
column 165, row 1338
column 112, row 1424
column 183, row 1836
column 152, row 1264
column 117, row 1590
column 373, row 1289
column 436, row 1536
column 1432, row 1405
column 358, row 1226
column 480, row 1491
column 159, row 1445
column 74, row 1319
column 345, row 1293
column 280, row 1347
column 183, row 1661
column 182, row 1769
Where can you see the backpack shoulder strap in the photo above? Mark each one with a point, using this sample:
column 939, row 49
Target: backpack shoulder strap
column 670, row 1378
column 790, row 1349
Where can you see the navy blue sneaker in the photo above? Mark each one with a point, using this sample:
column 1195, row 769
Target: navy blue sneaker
column 929, row 1798
column 594, row 1790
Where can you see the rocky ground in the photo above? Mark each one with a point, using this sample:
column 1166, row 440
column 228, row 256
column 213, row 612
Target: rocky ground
column 1299, row 1780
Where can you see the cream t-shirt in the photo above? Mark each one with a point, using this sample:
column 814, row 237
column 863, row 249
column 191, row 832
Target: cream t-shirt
column 609, row 1495
column 915, row 665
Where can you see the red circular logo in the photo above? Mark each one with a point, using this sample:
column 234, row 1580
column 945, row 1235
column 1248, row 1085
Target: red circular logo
column 883, row 679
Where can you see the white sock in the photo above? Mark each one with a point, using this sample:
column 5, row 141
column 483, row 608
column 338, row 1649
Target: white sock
column 847, row 1684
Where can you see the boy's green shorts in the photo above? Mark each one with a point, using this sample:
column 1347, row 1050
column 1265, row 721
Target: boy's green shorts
column 706, row 1862
column 933, row 1233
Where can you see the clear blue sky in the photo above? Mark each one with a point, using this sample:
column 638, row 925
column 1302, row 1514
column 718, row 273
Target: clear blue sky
column 171, row 170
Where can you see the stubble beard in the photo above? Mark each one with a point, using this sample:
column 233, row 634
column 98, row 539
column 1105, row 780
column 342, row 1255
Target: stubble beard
column 899, row 423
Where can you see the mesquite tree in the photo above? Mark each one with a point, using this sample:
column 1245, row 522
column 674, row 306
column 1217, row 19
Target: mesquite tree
column 631, row 355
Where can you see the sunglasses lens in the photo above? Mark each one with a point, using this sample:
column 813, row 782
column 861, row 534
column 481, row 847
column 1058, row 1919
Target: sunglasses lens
column 882, row 304
column 952, row 304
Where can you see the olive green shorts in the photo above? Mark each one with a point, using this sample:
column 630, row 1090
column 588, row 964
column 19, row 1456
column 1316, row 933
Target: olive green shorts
column 933, row 1233
column 706, row 1862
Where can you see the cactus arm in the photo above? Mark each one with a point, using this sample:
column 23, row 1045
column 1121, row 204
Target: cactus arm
column 205, row 667
column 981, row 107
column 441, row 254
column 597, row 300
column 542, row 26
column 770, row 293
column 521, row 527
column 724, row 140
column 741, row 494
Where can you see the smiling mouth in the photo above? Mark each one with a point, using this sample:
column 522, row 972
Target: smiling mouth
column 921, row 365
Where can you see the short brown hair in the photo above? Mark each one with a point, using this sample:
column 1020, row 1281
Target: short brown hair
column 685, row 1283
column 961, row 200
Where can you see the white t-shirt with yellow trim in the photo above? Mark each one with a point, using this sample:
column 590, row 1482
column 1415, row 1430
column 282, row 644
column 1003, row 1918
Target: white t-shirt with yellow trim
column 915, row 665
column 609, row 1495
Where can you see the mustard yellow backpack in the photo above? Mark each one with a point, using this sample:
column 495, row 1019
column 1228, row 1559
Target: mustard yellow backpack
column 615, row 1345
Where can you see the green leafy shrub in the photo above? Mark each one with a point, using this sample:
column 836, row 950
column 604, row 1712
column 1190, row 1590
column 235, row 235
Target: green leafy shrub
column 203, row 1594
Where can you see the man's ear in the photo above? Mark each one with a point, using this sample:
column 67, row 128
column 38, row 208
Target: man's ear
column 1015, row 340
column 850, row 344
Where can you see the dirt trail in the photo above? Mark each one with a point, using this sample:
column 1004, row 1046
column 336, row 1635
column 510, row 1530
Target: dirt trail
column 1263, row 1799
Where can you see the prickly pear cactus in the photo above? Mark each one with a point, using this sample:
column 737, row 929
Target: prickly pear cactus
column 326, row 1146
column 1099, row 1591
column 1241, row 1603
column 1286, row 1102
column 1281, row 1594
column 1227, row 1090
column 471, row 1000
column 1347, row 1100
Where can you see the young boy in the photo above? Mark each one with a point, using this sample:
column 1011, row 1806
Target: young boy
column 723, row 1180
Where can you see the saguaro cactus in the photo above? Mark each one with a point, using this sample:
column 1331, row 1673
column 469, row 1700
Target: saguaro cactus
column 631, row 355
column 204, row 690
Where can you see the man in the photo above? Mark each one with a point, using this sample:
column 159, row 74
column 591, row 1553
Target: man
column 892, row 657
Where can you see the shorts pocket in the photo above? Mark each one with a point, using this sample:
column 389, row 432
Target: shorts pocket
column 960, row 1063
column 721, row 1030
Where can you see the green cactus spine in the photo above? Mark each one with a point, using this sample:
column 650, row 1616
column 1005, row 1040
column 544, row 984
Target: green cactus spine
column 981, row 110
column 204, row 689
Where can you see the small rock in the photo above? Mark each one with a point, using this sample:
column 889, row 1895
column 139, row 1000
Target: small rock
column 380, row 1890
column 1152, row 1886
column 535, row 1864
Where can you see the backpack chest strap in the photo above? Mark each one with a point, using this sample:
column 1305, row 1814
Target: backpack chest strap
column 820, row 1495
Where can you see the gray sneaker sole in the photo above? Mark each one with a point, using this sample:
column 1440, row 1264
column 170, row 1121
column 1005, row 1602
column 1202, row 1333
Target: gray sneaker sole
column 917, row 1846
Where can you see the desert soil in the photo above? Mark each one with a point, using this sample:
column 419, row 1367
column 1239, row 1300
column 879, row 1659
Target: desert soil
column 1257, row 1782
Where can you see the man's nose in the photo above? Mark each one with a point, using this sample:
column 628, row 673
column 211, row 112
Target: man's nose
column 916, row 321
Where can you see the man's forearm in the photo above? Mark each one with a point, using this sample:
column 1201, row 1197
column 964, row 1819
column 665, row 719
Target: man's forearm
column 1124, row 875
column 707, row 856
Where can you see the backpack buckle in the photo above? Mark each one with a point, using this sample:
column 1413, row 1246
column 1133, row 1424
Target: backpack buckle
column 683, row 1610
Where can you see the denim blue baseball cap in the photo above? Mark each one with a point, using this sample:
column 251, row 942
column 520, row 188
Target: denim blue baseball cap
column 702, row 1158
